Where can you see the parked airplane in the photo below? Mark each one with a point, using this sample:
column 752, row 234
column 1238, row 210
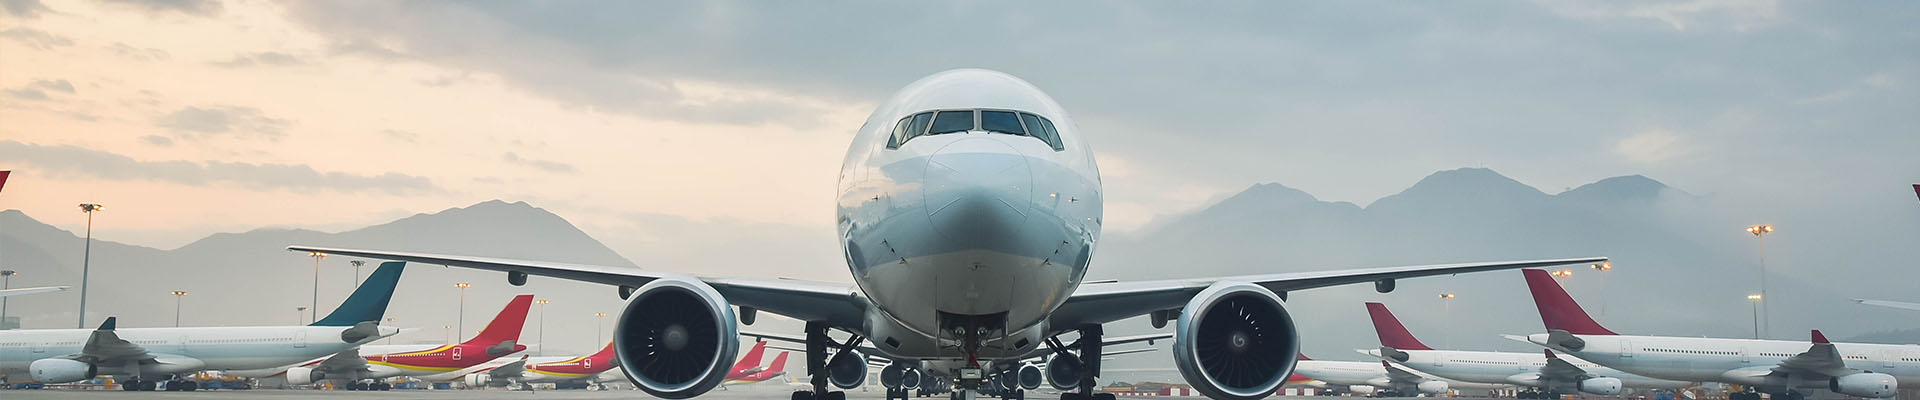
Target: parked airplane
column 1780, row 367
column 140, row 356
column 748, row 364
column 968, row 212
column 775, row 370
column 1368, row 378
column 31, row 290
column 584, row 370
column 367, row 367
column 1550, row 376
column 1894, row 304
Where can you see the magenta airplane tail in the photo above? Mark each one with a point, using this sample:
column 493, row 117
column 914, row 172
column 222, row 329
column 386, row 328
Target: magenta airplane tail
column 1557, row 309
column 1392, row 333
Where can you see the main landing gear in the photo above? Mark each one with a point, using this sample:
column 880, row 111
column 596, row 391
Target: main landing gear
column 1089, row 345
column 817, row 342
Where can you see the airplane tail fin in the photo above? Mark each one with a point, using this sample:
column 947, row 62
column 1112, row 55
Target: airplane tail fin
column 506, row 326
column 1819, row 337
column 779, row 363
column 1302, row 357
column 752, row 358
column 605, row 353
column 1557, row 309
column 369, row 302
column 1392, row 333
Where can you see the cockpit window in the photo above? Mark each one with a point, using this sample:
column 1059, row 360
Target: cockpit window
column 908, row 128
column 1001, row 122
column 1042, row 129
column 952, row 121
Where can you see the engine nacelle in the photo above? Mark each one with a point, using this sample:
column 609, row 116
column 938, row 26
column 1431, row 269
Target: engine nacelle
column 61, row 370
column 479, row 380
column 912, row 379
column 847, row 370
column 1604, row 386
column 1235, row 340
column 301, row 376
column 1866, row 384
column 894, row 375
column 1432, row 387
column 676, row 338
column 1064, row 372
column 1029, row 376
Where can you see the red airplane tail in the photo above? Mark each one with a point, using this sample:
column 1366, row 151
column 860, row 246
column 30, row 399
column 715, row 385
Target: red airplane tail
column 605, row 354
column 779, row 364
column 505, row 327
column 1557, row 308
column 1391, row 332
column 752, row 358
column 1301, row 357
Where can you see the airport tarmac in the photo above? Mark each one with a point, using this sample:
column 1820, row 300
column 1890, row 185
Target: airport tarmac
column 272, row 394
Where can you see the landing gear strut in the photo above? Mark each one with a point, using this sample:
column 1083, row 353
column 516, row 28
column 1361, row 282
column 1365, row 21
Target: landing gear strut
column 1090, row 349
column 817, row 341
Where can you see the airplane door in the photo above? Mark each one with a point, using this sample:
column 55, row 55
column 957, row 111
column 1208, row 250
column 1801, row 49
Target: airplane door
column 1626, row 348
column 300, row 339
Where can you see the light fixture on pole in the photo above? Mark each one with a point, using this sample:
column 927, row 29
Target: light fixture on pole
column 543, row 323
column 1766, row 313
column 599, row 331
column 1755, row 299
column 1446, row 314
column 447, row 331
column 86, row 256
column 297, row 313
column 7, row 277
column 356, row 271
column 1603, row 266
column 390, row 337
column 177, row 295
column 1562, row 273
column 314, row 315
column 463, row 305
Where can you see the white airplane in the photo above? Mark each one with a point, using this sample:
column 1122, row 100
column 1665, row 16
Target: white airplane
column 31, row 290
column 140, row 356
column 1551, row 375
column 1780, row 367
column 1372, row 378
column 1894, row 304
column 367, row 367
column 968, row 212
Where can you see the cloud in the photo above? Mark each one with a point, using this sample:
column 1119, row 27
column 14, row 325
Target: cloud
column 78, row 162
column 34, row 38
column 157, row 140
column 549, row 166
column 202, row 8
column 1739, row 15
column 401, row 135
column 243, row 122
column 1651, row 146
column 37, row 90
column 24, row 8
column 138, row 53
column 269, row 58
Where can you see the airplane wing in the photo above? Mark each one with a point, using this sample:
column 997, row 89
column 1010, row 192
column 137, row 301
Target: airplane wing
column 104, row 347
column 1108, row 302
column 510, row 370
column 1561, row 370
column 1397, row 375
column 31, row 290
column 1893, row 304
column 838, row 304
column 1822, row 359
column 344, row 361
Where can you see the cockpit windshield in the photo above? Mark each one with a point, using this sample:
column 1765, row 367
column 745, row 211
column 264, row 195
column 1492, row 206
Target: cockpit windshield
column 992, row 121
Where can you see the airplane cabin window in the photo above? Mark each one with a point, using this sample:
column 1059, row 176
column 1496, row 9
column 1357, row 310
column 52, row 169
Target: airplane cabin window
column 952, row 121
column 1002, row 122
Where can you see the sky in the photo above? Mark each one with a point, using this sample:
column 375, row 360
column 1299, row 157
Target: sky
column 190, row 117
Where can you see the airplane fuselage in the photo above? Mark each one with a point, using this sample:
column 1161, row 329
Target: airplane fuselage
column 1737, row 361
column 1512, row 368
column 187, row 349
column 973, row 231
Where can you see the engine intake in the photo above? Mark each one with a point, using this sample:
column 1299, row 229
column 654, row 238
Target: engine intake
column 1064, row 372
column 676, row 338
column 1235, row 341
column 1029, row 376
column 847, row 370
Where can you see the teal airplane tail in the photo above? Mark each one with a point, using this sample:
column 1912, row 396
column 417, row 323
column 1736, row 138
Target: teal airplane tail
column 369, row 302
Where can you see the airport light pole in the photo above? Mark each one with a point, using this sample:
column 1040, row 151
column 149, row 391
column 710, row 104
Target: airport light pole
column 296, row 314
column 1446, row 314
column 1755, row 299
column 1603, row 267
column 390, row 338
column 177, row 295
column 463, row 305
column 86, row 256
column 447, row 332
column 600, row 329
column 7, row 277
column 356, row 272
column 315, row 314
column 1760, row 232
column 543, row 323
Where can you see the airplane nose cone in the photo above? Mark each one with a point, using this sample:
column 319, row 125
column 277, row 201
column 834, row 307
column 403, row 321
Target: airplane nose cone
column 977, row 189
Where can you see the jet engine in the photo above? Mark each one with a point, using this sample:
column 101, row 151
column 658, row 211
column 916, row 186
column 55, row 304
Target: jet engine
column 479, row 380
column 912, row 379
column 1432, row 387
column 300, row 376
column 847, row 370
column 61, row 370
column 1235, row 340
column 894, row 375
column 1064, row 372
column 676, row 338
column 1604, row 386
column 1029, row 376
column 1871, row 385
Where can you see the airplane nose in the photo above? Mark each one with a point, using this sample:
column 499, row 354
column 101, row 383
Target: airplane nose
column 977, row 189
